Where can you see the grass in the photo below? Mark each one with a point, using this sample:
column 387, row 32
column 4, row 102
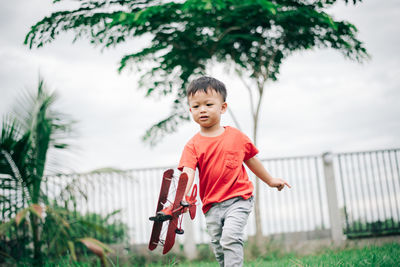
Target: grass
column 386, row 255
column 379, row 256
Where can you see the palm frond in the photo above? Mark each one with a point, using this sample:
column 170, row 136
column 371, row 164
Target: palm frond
column 15, row 173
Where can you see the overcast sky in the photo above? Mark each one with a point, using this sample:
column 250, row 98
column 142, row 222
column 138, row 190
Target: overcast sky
column 322, row 102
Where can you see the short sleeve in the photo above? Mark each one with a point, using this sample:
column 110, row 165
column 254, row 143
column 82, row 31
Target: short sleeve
column 250, row 150
column 189, row 157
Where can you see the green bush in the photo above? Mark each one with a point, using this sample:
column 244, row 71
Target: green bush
column 363, row 229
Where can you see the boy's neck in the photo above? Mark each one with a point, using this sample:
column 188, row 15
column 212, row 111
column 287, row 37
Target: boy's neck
column 212, row 131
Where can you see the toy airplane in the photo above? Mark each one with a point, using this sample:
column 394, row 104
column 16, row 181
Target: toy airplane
column 171, row 211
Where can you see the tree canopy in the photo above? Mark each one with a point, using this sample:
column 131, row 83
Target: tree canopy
column 256, row 36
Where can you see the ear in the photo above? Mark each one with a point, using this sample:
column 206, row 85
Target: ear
column 224, row 107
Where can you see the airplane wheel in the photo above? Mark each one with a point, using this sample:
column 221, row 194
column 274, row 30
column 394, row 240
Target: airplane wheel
column 185, row 204
column 179, row 231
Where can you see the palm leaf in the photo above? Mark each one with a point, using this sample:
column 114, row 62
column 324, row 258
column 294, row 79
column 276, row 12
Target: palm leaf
column 71, row 247
column 15, row 174
column 37, row 210
column 97, row 247
column 21, row 216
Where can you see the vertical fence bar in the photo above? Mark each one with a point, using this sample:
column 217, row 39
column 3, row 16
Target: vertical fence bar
column 387, row 202
column 350, row 194
column 296, row 196
column 94, row 184
column 380, row 185
column 309, row 195
column 276, row 200
column 141, row 209
column 286, row 223
column 3, row 218
column 319, row 186
column 396, row 160
column 345, row 203
column 308, row 190
column 368, row 190
column 360, row 190
column 132, row 210
column 129, row 204
column 302, row 187
column 374, row 187
column 124, row 216
column 393, row 175
column 357, row 186
column 286, row 171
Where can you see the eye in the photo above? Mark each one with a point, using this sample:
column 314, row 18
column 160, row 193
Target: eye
column 209, row 104
column 195, row 106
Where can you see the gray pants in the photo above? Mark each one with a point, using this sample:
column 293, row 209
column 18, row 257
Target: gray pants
column 225, row 224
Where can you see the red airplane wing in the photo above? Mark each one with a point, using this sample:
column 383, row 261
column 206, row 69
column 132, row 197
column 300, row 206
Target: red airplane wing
column 176, row 211
column 192, row 199
column 170, row 239
column 157, row 226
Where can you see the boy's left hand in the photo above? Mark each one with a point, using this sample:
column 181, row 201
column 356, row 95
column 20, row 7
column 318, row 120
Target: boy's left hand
column 279, row 183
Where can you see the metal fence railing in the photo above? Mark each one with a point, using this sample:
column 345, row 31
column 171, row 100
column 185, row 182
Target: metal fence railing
column 369, row 192
column 302, row 208
column 368, row 185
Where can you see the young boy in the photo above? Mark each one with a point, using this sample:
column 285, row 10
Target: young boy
column 219, row 152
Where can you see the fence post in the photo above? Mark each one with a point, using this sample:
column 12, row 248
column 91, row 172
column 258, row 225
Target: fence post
column 189, row 243
column 333, row 206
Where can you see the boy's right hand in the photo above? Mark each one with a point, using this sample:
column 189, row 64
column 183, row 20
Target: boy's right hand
column 186, row 202
column 278, row 183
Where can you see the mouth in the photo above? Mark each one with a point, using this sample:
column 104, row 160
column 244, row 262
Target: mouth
column 203, row 118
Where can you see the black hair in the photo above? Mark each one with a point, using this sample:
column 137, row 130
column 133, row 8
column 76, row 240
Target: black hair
column 206, row 83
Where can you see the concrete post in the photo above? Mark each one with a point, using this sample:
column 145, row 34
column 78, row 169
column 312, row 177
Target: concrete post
column 333, row 206
column 189, row 244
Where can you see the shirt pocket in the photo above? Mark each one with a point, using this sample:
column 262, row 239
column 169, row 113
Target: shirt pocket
column 232, row 159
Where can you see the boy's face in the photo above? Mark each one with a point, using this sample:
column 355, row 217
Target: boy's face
column 206, row 108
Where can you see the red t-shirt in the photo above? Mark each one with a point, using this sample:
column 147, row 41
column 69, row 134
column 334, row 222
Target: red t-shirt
column 220, row 162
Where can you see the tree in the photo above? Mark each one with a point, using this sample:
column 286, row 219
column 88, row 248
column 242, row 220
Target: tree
column 254, row 37
column 29, row 134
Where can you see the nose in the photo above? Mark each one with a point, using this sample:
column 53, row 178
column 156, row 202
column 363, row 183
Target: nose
column 202, row 108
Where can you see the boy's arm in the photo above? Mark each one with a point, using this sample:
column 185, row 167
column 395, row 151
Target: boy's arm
column 190, row 173
column 258, row 169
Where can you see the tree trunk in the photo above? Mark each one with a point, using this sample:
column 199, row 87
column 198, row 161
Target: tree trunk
column 35, row 223
column 255, row 112
column 257, row 213
column 37, row 253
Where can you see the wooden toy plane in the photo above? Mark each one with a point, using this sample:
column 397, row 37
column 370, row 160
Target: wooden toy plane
column 171, row 211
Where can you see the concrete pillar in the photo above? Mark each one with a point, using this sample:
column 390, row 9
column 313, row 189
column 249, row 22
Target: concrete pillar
column 189, row 244
column 333, row 206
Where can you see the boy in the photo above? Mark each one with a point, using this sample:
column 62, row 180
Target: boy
column 219, row 152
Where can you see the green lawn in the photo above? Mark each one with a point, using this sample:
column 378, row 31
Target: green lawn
column 376, row 256
column 386, row 255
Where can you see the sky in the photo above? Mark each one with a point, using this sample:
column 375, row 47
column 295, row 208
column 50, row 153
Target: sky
column 321, row 102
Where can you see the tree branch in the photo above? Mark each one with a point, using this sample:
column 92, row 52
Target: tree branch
column 252, row 110
column 235, row 121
